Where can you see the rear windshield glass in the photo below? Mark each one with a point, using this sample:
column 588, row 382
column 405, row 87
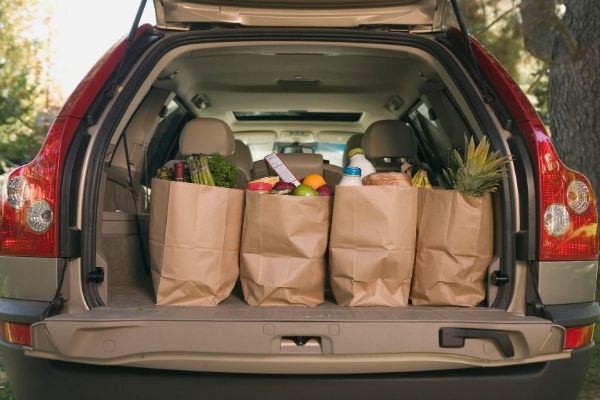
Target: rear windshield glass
column 329, row 144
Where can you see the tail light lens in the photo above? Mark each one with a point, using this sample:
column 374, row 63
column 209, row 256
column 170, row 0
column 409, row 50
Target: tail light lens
column 29, row 198
column 579, row 336
column 15, row 333
column 17, row 192
column 567, row 209
column 567, row 216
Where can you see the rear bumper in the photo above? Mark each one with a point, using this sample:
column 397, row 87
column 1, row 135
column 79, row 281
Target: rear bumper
column 554, row 380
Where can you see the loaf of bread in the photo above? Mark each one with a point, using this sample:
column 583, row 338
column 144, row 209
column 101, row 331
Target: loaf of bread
column 388, row 178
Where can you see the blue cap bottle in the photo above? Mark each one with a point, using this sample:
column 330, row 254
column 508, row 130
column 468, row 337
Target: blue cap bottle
column 351, row 177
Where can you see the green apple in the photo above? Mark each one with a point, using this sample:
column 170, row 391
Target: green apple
column 303, row 190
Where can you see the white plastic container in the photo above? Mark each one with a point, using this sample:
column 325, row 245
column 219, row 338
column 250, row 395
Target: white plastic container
column 352, row 177
column 358, row 159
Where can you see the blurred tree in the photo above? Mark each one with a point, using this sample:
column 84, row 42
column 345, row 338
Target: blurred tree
column 570, row 44
column 496, row 24
column 22, row 109
column 575, row 88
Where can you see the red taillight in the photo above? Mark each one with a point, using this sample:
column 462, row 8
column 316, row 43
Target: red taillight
column 572, row 236
column 16, row 333
column 579, row 336
column 567, row 217
column 20, row 232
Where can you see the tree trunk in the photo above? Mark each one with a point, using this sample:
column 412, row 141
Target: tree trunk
column 574, row 98
column 539, row 25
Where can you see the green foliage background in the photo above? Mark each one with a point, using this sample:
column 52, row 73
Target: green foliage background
column 497, row 24
column 24, row 114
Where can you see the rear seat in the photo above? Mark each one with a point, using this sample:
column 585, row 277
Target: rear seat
column 207, row 136
column 301, row 165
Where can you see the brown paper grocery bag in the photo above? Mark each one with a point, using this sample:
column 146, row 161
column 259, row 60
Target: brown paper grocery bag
column 195, row 235
column 284, row 242
column 372, row 245
column 454, row 248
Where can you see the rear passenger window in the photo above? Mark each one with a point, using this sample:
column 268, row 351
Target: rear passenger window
column 162, row 147
column 427, row 113
column 435, row 144
column 440, row 127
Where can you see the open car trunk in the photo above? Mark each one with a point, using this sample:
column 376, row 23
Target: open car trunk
column 377, row 81
column 274, row 97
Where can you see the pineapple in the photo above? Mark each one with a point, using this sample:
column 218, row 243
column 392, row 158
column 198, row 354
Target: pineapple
column 480, row 171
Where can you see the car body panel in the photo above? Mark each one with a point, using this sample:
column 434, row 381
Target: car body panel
column 566, row 282
column 29, row 278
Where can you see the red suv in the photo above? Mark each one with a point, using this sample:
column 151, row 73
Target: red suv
column 77, row 310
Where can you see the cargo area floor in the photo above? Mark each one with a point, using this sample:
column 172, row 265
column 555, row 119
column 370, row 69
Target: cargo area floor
column 135, row 303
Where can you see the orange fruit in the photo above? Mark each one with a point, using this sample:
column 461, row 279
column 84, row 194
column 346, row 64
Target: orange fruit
column 314, row 181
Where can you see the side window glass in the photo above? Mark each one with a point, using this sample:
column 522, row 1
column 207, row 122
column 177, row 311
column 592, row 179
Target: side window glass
column 436, row 145
column 427, row 113
column 160, row 148
column 441, row 125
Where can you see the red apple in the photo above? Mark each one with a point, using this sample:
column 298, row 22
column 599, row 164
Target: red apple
column 325, row 190
column 281, row 185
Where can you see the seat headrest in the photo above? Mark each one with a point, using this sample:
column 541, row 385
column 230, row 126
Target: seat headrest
column 389, row 138
column 206, row 136
column 352, row 143
column 300, row 165
column 242, row 157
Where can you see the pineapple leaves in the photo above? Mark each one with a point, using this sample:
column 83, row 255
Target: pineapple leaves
column 480, row 172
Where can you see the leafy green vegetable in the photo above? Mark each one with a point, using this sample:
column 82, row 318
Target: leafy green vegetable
column 165, row 173
column 224, row 172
